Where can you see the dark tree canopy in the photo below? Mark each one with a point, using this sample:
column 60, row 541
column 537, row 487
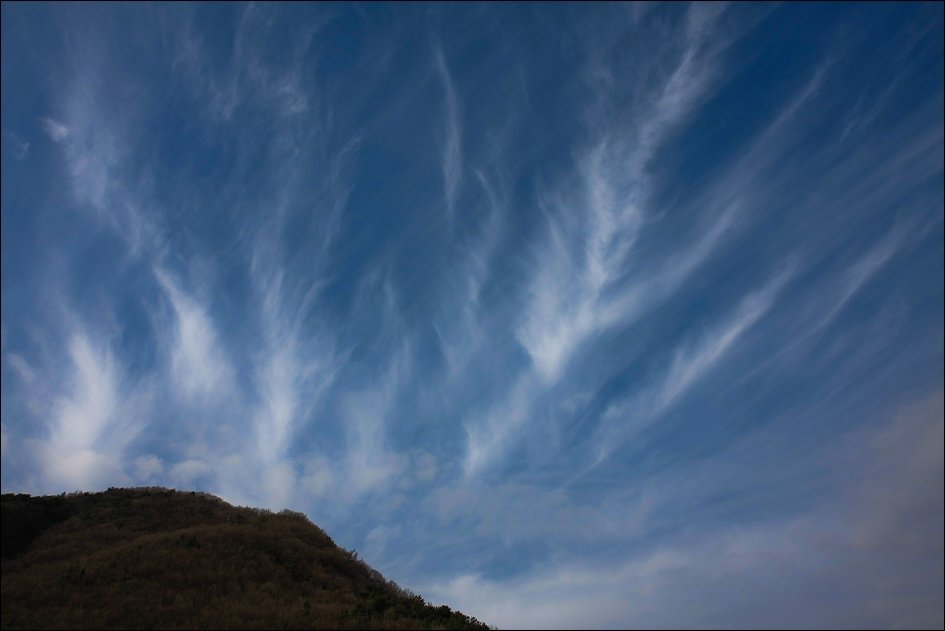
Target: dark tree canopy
column 157, row 558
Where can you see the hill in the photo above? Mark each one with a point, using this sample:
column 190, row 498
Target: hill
column 146, row 558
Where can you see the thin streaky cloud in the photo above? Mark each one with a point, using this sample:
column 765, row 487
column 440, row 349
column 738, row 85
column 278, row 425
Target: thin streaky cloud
column 572, row 296
column 691, row 362
column 199, row 369
column 92, row 426
column 452, row 158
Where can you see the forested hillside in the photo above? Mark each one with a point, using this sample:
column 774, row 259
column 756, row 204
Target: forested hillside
column 156, row 558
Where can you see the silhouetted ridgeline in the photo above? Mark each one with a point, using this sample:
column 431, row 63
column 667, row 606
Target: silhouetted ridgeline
column 152, row 557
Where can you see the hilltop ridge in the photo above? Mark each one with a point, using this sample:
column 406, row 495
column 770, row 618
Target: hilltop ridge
column 155, row 557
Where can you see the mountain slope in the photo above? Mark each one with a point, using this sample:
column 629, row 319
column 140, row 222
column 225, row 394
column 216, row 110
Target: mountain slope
column 136, row 558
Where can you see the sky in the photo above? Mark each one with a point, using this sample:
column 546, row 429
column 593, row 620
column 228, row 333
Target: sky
column 565, row 315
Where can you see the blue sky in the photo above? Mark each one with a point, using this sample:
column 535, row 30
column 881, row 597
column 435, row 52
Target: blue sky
column 565, row 315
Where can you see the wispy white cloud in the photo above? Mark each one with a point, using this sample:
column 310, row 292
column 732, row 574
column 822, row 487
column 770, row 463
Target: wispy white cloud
column 56, row 131
column 570, row 278
column 82, row 417
column 97, row 146
column 148, row 467
column 577, row 290
column 583, row 280
column 94, row 425
column 518, row 512
column 22, row 368
column 318, row 477
column 296, row 361
column 869, row 555
column 460, row 328
column 4, row 441
column 294, row 369
column 248, row 79
column 691, row 362
column 19, row 148
column 184, row 473
column 488, row 435
column 826, row 303
column 452, row 159
column 688, row 82
column 199, row 369
column 370, row 463
column 425, row 467
column 279, row 410
column 865, row 268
